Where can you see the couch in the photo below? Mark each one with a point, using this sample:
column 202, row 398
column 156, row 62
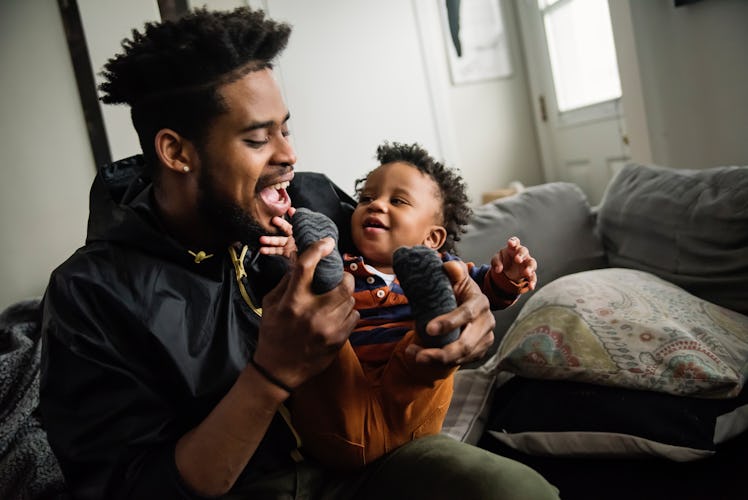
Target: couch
column 547, row 393
column 622, row 375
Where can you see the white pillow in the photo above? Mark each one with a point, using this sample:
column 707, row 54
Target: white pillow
column 627, row 328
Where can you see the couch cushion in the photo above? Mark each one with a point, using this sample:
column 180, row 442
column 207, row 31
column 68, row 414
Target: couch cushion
column 592, row 341
column 628, row 328
column 553, row 220
column 573, row 419
column 689, row 227
column 471, row 402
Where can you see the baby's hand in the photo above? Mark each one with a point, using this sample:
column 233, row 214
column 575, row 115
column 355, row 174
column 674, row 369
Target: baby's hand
column 280, row 245
column 515, row 262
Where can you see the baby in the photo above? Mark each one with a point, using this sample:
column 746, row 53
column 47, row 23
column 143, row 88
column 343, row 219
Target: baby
column 375, row 397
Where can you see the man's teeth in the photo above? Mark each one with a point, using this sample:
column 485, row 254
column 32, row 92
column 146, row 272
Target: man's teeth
column 281, row 185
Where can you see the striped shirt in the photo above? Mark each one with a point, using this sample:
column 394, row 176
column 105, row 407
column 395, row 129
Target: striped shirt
column 385, row 313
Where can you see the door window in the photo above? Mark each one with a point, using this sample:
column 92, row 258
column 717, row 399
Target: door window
column 582, row 52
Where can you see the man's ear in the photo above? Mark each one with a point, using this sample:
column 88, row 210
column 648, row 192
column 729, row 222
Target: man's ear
column 175, row 152
column 436, row 237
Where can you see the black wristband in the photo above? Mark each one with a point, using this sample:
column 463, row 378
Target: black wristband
column 268, row 376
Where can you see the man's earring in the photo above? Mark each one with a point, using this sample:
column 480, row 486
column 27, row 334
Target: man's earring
column 185, row 169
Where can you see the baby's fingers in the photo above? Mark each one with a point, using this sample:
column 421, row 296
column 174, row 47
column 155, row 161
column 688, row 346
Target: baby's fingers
column 273, row 241
column 282, row 224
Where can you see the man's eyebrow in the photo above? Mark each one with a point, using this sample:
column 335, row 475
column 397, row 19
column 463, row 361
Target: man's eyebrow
column 265, row 124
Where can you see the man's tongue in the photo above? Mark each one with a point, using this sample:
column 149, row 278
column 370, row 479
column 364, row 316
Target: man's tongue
column 276, row 200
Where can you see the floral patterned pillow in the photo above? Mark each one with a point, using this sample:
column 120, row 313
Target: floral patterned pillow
column 627, row 328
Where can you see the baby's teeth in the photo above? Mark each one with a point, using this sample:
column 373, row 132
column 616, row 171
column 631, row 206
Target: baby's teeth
column 281, row 185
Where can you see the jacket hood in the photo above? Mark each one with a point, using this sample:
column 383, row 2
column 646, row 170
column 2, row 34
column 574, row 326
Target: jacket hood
column 122, row 210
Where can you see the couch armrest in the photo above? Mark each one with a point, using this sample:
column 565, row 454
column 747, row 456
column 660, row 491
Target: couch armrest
column 553, row 220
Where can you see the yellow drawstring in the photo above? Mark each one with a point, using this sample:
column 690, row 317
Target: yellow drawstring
column 241, row 273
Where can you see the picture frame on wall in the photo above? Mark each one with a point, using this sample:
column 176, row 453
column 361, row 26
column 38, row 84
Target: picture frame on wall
column 476, row 39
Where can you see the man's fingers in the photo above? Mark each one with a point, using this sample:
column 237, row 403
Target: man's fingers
column 336, row 313
column 307, row 262
column 445, row 323
column 344, row 291
column 471, row 302
column 456, row 353
column 456, row 271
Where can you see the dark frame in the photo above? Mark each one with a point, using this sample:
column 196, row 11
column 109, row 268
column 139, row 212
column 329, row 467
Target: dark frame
column 84, row 78
column 84, row 73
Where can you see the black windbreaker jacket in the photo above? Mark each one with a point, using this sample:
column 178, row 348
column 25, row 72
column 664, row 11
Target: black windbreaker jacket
column 140, row 341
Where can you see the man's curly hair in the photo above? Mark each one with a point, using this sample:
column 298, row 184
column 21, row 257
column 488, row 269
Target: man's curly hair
column 456, row 211
column 169, row 72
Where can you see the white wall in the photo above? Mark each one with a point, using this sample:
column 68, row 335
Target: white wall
column 691, row 80
column 104, row 41
column 358, row 72
column 46, row 164
column 493, row 124
column 352, row 77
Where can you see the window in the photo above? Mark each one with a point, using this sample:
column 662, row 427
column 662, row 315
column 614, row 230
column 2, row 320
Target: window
column 582, row 52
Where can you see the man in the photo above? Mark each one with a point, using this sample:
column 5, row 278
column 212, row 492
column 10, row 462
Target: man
column 167, row 359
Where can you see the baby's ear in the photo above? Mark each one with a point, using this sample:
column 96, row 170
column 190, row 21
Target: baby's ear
column 436, row 237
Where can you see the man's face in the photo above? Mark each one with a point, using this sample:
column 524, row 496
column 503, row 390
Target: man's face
column 247, row 160
column 398, row 206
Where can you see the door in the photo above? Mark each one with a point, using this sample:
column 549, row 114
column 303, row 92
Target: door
column 574, row 82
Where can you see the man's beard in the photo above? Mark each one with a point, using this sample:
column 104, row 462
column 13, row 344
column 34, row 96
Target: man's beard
column 231, row 222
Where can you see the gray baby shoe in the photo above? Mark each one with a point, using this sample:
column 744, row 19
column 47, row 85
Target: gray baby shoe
column 308, row 227
column 421, row 274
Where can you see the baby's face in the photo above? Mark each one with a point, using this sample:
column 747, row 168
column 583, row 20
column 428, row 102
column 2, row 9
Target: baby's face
column 398, row 206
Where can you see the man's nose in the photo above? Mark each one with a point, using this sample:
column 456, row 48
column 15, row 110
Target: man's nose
column 284, row 153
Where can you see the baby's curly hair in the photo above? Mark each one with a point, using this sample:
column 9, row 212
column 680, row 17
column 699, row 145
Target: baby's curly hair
column 455, row 208
column 170, row 72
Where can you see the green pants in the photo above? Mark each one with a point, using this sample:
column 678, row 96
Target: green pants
column 430, row 468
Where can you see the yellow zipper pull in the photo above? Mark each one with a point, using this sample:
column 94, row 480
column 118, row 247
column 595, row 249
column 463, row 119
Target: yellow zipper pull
column 239, row 261
column 241, row 273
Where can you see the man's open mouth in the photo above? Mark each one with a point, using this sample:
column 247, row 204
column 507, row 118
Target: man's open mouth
column 275, row 193
column 275, row 197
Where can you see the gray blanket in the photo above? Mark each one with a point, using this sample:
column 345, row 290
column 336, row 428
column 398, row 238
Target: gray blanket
column 28, row 469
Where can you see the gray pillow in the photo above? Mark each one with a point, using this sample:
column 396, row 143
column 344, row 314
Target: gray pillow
column 689, row 227
column 554, row 221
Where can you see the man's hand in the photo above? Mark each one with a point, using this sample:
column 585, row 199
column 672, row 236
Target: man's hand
column 301, row 332
column 473, row 315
